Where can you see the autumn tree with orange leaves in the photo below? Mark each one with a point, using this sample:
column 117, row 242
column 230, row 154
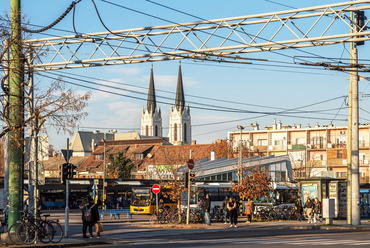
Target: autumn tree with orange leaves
column 255, row 182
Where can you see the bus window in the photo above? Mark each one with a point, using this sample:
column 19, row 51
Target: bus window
column 140, row 197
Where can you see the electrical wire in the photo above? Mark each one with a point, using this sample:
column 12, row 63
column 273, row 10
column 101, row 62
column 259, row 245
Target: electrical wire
column 195, row 103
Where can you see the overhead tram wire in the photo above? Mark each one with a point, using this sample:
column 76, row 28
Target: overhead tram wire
column 196, row 103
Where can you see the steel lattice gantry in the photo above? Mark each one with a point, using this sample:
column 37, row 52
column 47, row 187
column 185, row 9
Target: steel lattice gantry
column 213, row 40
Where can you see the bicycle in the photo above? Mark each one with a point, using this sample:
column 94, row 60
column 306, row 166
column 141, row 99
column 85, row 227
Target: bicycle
column 154, row 219
column 38, row 228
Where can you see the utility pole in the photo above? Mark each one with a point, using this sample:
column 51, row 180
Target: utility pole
column 16, row 115
column 349, row 137
column 355, row 184
column 6, row 136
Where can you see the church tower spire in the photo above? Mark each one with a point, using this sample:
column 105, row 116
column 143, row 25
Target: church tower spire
column 180, row 97
column 151, row 120
column 151, row 103
column 180, row 120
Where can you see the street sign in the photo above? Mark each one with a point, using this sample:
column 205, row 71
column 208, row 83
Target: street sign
column 156, row 189
column 190, row 164
column 65, row 155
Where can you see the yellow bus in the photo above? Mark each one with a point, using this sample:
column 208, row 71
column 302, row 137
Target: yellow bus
column 143, row 201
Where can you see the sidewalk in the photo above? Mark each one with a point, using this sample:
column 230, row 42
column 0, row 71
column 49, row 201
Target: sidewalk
column 76, row 240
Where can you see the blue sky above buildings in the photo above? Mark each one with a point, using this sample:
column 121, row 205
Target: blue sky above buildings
column 245, row 87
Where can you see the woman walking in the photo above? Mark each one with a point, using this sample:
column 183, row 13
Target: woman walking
column 90, row 217
column 232, row 207
column 249, row 210
column 309, row 206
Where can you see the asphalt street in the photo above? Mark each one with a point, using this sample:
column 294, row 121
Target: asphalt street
column 137, row 233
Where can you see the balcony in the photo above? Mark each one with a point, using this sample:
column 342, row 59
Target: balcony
column 277, row 148
column 337, row 146
column 315, row 146
column 296, row 147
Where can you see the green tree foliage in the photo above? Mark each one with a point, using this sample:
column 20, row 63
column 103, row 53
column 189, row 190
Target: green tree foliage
column 120, row 166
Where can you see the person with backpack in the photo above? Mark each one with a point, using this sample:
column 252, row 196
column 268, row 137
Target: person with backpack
column 90, row 217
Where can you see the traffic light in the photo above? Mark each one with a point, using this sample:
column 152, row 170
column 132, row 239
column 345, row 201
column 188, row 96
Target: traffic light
column 360, row 22
column 186, row 178
column 192, row 177
column 71, row 171
column 65, row 168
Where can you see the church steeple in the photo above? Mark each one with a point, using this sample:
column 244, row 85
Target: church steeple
column 180, row 119
column 151, row 104
column 151, row 120
column 180, row 97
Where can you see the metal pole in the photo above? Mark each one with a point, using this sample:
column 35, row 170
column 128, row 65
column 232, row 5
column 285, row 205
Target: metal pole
column 66, row 224
column 356, row 219
column 240, row 157
column 104, row 172
column 188, row 205
column 349, row 140
column 66, row 219
column 16, row 115
column 33, row 173
column 6, row 136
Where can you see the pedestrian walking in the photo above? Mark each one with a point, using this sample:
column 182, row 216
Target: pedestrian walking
column 309, row 206
column 207, row 208
column 249, row 210
column 90, row 217
column 224, row 207
column 316, row 210
column 299, row 208
column 233, row 211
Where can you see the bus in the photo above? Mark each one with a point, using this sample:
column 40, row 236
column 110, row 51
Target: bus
column 143, row 201
column 281, row 195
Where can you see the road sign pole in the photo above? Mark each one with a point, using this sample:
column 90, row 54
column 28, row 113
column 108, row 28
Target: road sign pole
column 188, row 205
column 66, row 224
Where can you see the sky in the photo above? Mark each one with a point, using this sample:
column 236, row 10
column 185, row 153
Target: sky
column 260, row 87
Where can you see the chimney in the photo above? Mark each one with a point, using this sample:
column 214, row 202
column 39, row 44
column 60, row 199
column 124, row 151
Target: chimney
column 298, row 125
column 317, row 124
column 274, row 126
column 213, row 155
column 279, row 125
column 92, row 145
column 308, row 125
column 193, row 142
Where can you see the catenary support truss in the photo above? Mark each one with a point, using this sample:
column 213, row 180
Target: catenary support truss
column 214, row 40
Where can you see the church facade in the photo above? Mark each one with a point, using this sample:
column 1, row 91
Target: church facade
column 179, row 131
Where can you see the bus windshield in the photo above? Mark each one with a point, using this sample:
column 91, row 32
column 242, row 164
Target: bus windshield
column 140, row 197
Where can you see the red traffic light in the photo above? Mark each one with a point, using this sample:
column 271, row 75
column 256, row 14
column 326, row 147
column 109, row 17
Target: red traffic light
column 192, row 174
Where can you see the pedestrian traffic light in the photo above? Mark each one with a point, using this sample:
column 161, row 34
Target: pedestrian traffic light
column 360, row 23
column 64, row 172
column 192, row 177
column 186, row 178
column 71, row 171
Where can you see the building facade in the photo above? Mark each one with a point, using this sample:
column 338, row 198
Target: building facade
column 314, row 151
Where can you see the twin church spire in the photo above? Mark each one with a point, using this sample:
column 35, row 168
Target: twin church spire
column 180, row 121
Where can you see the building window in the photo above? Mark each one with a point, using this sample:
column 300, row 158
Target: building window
column 262, row 142
column 339, row 154
column 175, row 132
column 139, row 156
column 185, row 134
column 98, row 157
column 146, row 130
column 278, row 172
column 156, row 131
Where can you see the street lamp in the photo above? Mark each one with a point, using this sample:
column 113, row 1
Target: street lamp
column 240, row 150
column 105, row 142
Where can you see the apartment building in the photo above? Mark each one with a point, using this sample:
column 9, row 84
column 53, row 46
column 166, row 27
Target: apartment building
column 314, row 150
